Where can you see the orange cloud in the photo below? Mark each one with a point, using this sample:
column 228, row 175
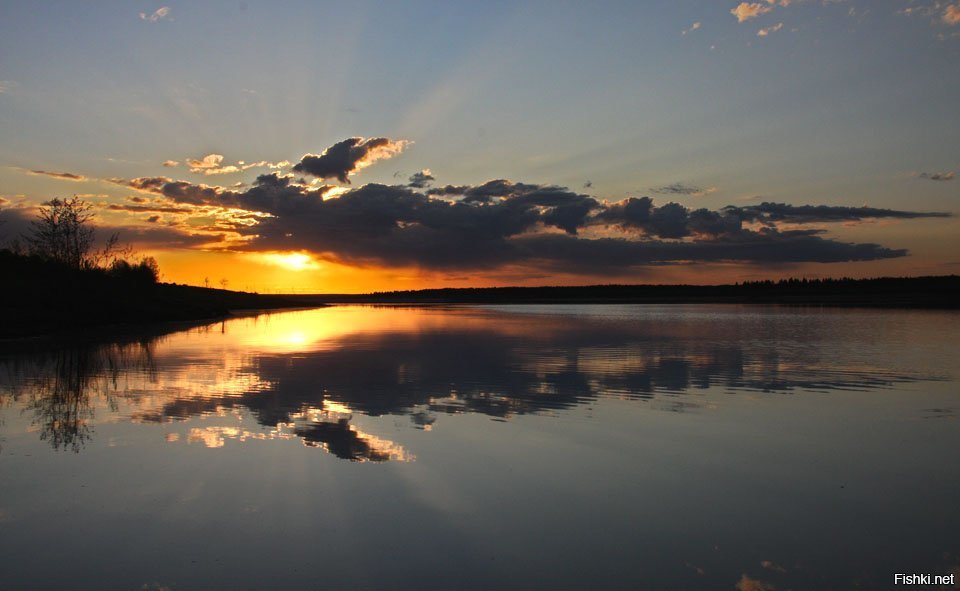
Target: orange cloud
column 748, row 10
column 767, row 30
column 63, row 176
column 951, row 15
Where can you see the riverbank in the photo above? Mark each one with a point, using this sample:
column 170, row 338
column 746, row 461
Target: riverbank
column 85, row 306
column 84, row 301
column 942, row 292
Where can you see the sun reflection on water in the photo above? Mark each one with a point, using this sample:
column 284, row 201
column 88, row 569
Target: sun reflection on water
column 313, row 375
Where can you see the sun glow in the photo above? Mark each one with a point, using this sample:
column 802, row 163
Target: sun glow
column 335, row 192
column 292, row 261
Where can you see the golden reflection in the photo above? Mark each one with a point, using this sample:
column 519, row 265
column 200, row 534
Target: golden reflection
column 216, row 436
column 329, row 376
column 329, row 428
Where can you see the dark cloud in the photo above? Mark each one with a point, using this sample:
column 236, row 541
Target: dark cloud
column 681, row 189
column 179, row 191
column 159, row 237
column 938, row 176
column 486, row 192
column 395, row 226
column 613, row 255
column 270, row 193
column 346, row 157
column 669, row 221
column 422, row 179
column 16, row 222
column 64, row 176
column 148, row 208
column 631, row 212
column 782, row 212
column 499, row 223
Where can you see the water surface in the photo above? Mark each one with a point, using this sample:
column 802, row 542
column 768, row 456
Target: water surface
column 487, row 447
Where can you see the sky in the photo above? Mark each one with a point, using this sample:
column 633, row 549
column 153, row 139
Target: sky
column 354, row 147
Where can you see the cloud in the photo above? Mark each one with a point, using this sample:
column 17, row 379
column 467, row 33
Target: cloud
column 951, row 15
column 747, row 584
column 263, row 164
column 422, row 179
column 804, row 214
column 271, row 193
column 157, row 15
column 937, row 176
column 764, row 32
column 7, row 86
column 212, row 164
column 147, row 208
column 484, row 193
column 691, row 29
column 348, row 156
column 64, row 176
column 160, row 237
column 682, row 189
column 496, row 225
column 946, row 14
column 748, row 10
column 15, row 221
column 179, row 191
column 500, row 223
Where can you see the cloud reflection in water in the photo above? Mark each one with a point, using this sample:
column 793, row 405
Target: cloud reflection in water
column 424, row 363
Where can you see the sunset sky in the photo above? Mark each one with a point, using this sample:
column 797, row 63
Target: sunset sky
column 350, row 147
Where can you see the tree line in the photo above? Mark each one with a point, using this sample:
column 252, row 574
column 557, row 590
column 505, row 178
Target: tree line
column 63, row 238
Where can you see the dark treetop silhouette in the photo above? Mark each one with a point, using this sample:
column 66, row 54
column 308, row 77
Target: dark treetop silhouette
column 57, row 279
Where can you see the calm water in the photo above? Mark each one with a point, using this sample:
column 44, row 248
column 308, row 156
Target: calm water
column 583, row 447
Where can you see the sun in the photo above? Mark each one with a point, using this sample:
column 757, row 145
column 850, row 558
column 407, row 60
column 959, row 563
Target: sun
column 292, row 261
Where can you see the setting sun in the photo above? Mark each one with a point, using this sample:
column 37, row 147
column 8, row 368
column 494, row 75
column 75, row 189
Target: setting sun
column 292, row 261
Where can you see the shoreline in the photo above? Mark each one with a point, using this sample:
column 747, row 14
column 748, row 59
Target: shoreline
column 165, row 305
column 941, row 292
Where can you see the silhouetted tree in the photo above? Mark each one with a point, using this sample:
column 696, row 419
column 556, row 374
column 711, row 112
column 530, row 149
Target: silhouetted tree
column 145, row 271
column 63, row 233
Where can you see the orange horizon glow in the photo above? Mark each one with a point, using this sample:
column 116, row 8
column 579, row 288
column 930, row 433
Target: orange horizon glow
column 301, row 272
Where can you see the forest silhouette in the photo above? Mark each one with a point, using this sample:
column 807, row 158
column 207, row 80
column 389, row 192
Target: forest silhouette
column 56, row 279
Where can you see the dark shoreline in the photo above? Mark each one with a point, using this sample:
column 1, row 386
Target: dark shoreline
column 151, row 307
column 98, row 309
column 941, row 292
